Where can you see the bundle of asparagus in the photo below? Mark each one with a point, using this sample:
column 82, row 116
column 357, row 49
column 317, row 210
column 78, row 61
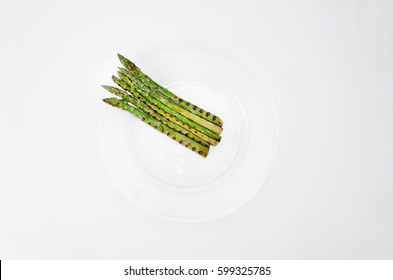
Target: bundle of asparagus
column 155, row 105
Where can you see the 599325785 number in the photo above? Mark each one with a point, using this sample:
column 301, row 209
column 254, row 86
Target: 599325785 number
column 251, row 270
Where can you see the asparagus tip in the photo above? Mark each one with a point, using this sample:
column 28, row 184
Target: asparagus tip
column 112, row 90
column 122, row 58
column 114, row 102
column 108, row 88
column 126, row 62
column 115, row 79
column 122, row 69
column 106, row 100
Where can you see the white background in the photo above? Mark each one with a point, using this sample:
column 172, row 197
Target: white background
column 328, row 64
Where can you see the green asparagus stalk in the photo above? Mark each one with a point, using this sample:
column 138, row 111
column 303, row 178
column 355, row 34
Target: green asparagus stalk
column 167, row 93
column 182, row 139
column 127, row 77
column 185, row 126
column 146, row 109
column 163, row 113
column 136, row 92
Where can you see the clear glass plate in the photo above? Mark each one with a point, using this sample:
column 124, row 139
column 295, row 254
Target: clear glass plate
column 170, row 181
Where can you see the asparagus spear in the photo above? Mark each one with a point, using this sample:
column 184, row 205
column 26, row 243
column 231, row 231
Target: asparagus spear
column 185, row 126
column 167, row 106
column 184, row 140
column 146, row 109
column 164, row 113
column 136, row 92
column 127, row 77
column 135, row 70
